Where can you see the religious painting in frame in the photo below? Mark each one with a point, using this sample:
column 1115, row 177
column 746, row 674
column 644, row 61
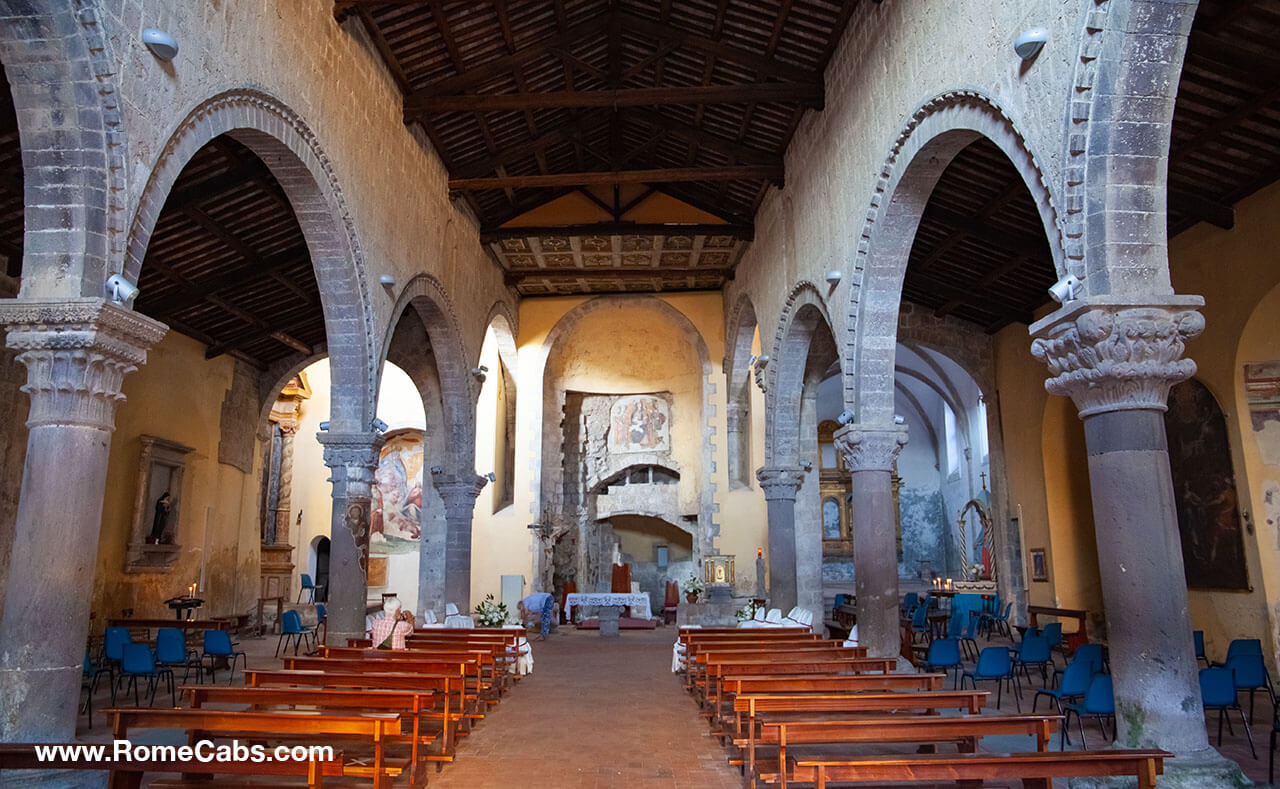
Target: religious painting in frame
column 1204, row 489
column 1039, row 565
column 397, row 495
column 640, row 423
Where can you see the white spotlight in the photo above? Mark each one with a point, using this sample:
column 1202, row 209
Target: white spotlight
column 899, row 419
column 378, row 425
column 387, row 281
column 1030, row 41
column 1064, row 290
column 160, row 43
column 120, row 290
column 845, row 417
column 833, row 277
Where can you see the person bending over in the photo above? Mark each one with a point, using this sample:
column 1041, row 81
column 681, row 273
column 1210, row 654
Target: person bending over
column 537, row 606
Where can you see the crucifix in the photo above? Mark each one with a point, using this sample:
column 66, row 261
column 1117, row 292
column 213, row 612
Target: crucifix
column 983, row 475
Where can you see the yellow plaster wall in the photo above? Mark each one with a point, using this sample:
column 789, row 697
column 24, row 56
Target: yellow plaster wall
column 609, row 354
column 1236, row 272
column 178, row 396
column 744, row 525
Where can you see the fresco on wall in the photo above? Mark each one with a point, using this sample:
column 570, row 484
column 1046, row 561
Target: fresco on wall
column 1262, row 391
column 640, row 423
column 831, row 519
column 397, row 496
column 1204, row 487
column 924, row 524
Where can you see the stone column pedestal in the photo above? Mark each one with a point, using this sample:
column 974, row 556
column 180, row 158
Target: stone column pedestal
column 352, row 459
column 77, row 353
column 609, row 620
column 459, row 493
column 1117, row 362
column 780, row 485
column 869, row 453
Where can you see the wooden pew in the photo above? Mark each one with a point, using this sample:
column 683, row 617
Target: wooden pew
column 719, row 670
column 129, row 775
column 1036, row 770
column 455, row 720
column 964, row 730
column 201, row 724
column 697, row 664
column 811, row 685
column 492, row 657
column 469, row 670
column 698, row 644
column 409, row 704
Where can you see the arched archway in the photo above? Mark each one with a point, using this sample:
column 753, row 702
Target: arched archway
column 742, row 332
column 282, row 140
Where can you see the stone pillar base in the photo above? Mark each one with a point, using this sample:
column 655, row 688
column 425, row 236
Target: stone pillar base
column 1197, row 770
column 609, row 620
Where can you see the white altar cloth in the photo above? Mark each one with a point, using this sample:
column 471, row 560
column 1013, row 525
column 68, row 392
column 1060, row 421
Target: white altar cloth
column 640, row 601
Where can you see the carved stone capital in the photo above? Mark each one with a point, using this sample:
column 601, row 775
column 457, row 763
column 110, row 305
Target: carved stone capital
column 352, row 458
column 459, row 492
column 870, row 447
column 77, row 353
column 780, row 482
column 1117, row 357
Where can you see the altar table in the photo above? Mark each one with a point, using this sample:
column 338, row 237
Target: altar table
column 636, row 601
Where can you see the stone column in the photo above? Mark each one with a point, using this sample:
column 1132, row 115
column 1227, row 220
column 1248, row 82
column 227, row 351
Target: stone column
column 869, row 454
column 459, row 492
column 737, row 420
column 352, row 459
column 780, row 485
column 77, row 353
column 1117, row 363
column 284, row 503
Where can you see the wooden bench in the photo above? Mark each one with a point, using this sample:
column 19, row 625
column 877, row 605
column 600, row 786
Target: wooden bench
column 750, row 711
column 1036, row 770
column 493, row 658
column 697, row 661
column 411, row 705
column 838, row 687
column 455, row 719
column 129, row 775
column 469, row 670
column 202, row 724
column 963, row 730
column 720, row 670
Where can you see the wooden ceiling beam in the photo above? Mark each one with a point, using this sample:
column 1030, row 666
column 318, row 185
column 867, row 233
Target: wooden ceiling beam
column 776, row 92
column 262, row 329
column 509, row 154
column 1241, row 113
column 477, row 75
column 711, row 46
column 197, row 290
column 665, row 175
column 737, row 152
column 1202, row 208
column 1228, row 53
column 743, row 232
column 210, row 188
column 633, row 273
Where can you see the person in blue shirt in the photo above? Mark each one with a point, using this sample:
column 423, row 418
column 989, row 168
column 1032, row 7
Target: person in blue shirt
column 538, row 604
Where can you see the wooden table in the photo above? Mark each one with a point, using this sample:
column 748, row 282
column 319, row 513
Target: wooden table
column 1074, row 640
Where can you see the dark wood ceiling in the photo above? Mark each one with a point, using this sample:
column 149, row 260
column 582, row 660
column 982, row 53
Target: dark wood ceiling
column 981, row 254
column 526, row 102
column 228, row 265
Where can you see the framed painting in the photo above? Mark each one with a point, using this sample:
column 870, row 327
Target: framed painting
column 1039, row 565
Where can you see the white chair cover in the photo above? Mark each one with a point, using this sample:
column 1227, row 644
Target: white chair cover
column 852, row 640
column 800, row 616
column 677, row 654
column 773, row 618
column 455, row 620
column 524, row 657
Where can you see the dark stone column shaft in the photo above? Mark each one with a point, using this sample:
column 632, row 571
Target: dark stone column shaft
column 780, row 486
column 76, row 354
column 352, row 459
column 459, row 493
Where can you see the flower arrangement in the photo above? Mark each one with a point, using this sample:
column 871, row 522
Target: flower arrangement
column 693, row 585
column 491, row 613
column 747, row 612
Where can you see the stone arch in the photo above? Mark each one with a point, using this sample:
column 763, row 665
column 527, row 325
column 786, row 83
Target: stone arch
column 741, row 330
column 499, row 330
column 1122, row 142
column 936, row 132
column 803, row 315
column 284, row 142
column 505, row 327
column 564, row 327
column 60, row 68
column 458, row 387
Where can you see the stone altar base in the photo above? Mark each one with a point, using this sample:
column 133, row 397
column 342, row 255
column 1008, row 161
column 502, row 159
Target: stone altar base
column 710, row 614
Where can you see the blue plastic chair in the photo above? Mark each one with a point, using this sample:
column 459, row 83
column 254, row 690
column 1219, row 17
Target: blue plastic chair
column 291, row 629
column 920, row 622
column 1033, row 651
column 910, row 602
column 944, row 653
column 998, row 621
column 171, row 650
column 1241, row 646
column 217, row 644
column 1075, row 682
column 994, row 663
column 1218, row 691
column 1094, row 654
column 1099, row 702
column 1052, row 633
column 307, row 586
column 962, row 627
column 1251, row 674
column 138, row 661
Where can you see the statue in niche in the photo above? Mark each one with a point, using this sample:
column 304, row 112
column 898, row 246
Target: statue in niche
column 640, row 423
column 164, row 505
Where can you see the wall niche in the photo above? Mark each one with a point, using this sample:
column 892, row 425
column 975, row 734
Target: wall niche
column 155, row 540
